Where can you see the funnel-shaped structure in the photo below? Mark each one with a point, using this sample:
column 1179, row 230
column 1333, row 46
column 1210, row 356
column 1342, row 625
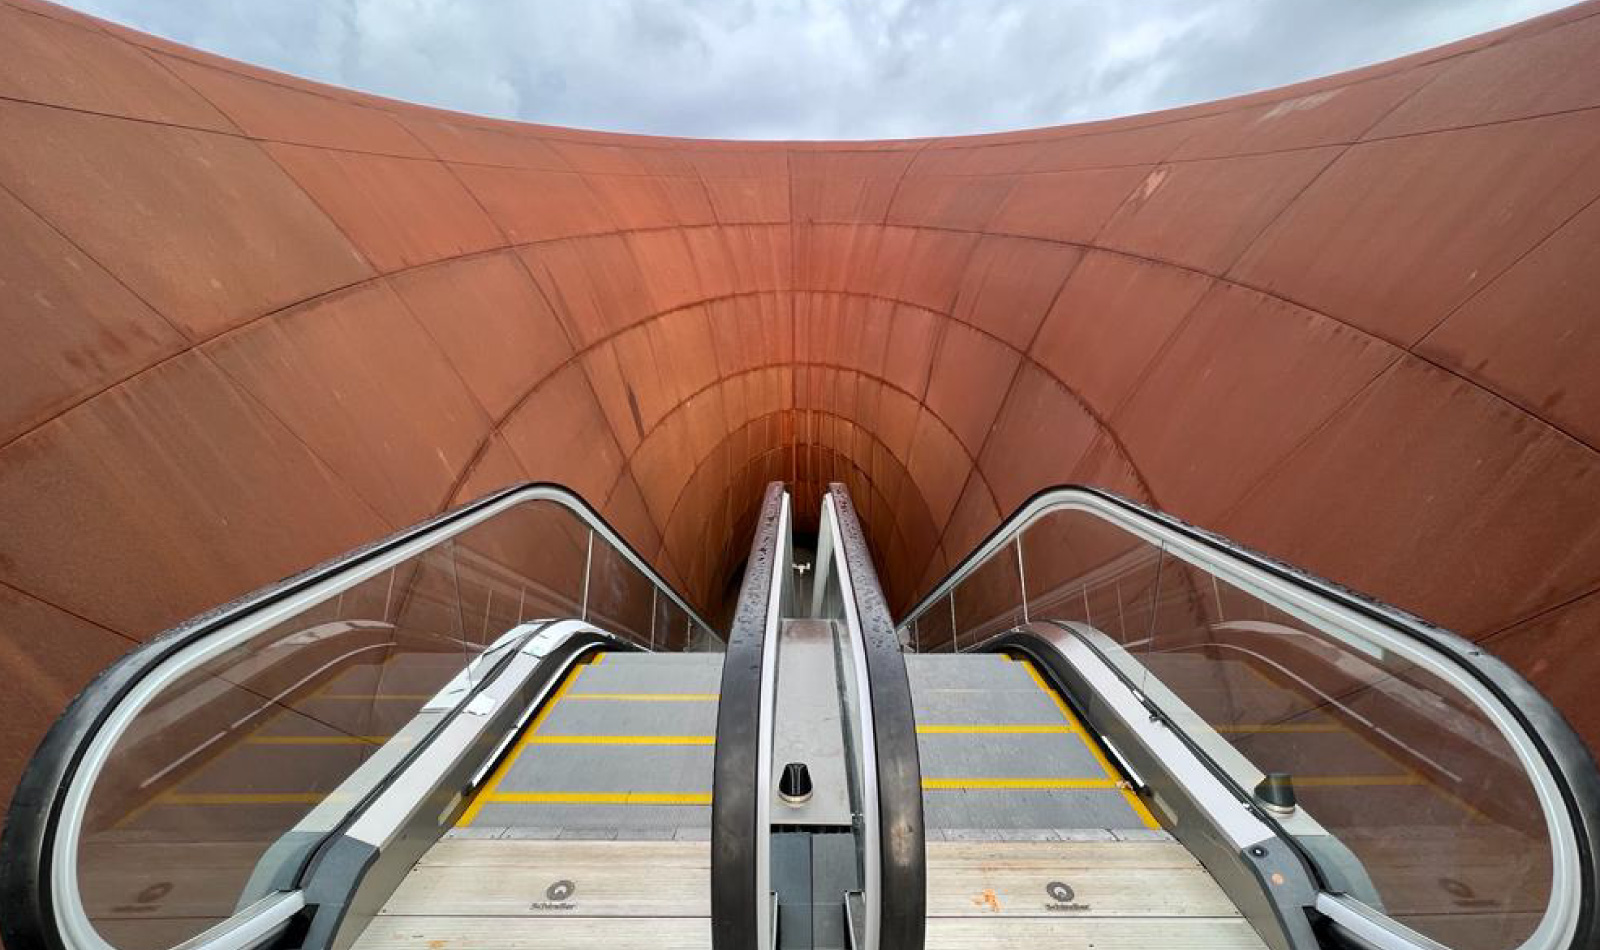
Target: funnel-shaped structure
column 252, row 321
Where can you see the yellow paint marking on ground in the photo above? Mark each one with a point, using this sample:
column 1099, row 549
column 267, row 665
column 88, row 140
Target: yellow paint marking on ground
column 505, row 764
column 949, row 784
column 650, row 697
column 1133, row 800
column 620, row 740
column 993, row 730
column 597, row 658
column 600, row 798
column 317, row 740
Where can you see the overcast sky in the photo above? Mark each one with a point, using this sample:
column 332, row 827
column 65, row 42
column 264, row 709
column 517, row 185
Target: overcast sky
column 812, row 68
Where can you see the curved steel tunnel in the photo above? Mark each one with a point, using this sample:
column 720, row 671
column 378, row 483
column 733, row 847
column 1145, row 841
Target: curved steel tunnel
column 252, row 322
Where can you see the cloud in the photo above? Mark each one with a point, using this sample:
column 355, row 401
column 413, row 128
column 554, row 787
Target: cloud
column 812, row 68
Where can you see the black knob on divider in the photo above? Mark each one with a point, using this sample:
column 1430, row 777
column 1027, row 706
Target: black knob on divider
column 1276, row 793
column 794, row 785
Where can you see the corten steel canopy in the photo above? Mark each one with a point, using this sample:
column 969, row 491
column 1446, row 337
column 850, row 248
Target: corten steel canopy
column 251, row 322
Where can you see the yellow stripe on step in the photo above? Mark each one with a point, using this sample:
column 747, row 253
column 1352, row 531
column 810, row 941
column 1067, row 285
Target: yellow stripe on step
column 649, row 697
column 500, row 770
column 993, row 730
column 620, row 740
column 949, row 784
column 598, row 798
column 1134, row 801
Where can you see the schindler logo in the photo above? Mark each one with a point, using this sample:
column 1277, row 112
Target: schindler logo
column 1062, row 897
column 558, row 896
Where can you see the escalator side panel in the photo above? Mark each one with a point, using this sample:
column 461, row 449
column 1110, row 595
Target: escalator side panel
column 1265, row 878
column 360, row 865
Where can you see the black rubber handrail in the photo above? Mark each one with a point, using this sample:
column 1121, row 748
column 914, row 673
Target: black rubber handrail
column 902, row 853
column 26, row 845
column 736, row 781
column 1564, row 753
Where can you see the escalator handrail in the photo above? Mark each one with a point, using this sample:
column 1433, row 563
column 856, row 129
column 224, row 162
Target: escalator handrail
column 1569, row 774
column 379, row 818
column 52, row 779
column 741, row 785
column 895, row 763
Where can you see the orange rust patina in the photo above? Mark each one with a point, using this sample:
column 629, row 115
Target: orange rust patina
column 251, row 322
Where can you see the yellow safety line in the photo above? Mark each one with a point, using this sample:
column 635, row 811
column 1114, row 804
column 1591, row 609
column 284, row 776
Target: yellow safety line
column 943, row 784
column 1061, row 705
column 240, row 798
column 620, row 740
column 500, row 771
column 992, row 730
column 1133, row 800
column 597, row 658
column 600, row 798
column 650, row 697
column 317, row 740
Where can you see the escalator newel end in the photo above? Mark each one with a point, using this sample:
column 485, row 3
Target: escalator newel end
column 794, row 785
column 1276, row 794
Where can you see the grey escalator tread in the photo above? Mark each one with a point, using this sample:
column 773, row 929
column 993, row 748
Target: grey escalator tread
column 666, row 673
column 960, row 671
column 1001, row 752
column 1150, row 893
column 624, row 749
column 550, row 894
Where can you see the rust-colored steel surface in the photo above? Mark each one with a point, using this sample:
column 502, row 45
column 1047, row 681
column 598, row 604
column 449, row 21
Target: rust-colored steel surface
column 250, row 322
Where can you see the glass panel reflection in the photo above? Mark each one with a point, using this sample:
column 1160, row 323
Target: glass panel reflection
column 191, row 818
column 1402, row 768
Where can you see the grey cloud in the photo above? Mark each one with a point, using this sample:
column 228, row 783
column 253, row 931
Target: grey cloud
column 813, row 68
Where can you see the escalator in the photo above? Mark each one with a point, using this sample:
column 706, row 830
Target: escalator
column 1104, row 728
column 609, row 786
